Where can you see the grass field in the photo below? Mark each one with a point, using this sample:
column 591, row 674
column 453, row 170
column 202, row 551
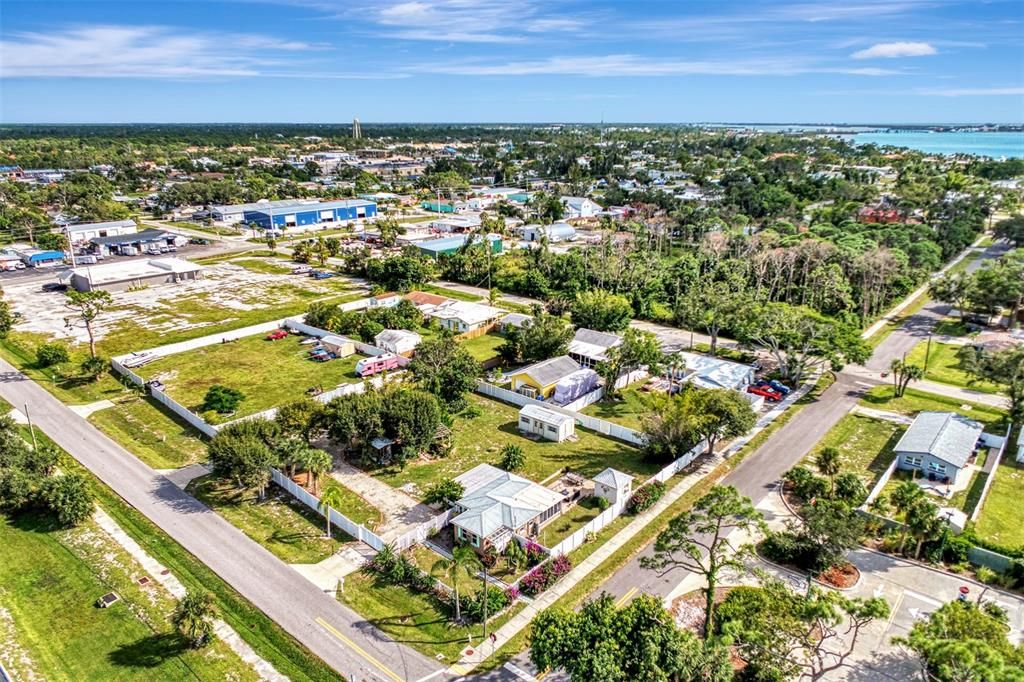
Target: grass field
column 485, row 347
column 19, row 349
column 944, row 366
column 50, row 581
column 577, row 516
column 268, row 266
column 481, row 438
column 158, row 438
column 912, row 402
column 628, row 410
column 450, row 293
column 865, row 446
column 290, row 530
column 269, row 373
column 1000, row 519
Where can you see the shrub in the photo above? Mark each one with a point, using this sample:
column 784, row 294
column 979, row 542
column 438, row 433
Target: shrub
column 986, row 575
column 444, row 492
column 473, row 605
column 222, row 400
column 645, row 497
column 512, row 457
column 534, row 553
column 50, row 354
column 804, row 484
column 69, row 498
column 850, row 489
column 602, row 503
column 955, row 551
column 93, row 367
column 472, row 411
column 545, row 575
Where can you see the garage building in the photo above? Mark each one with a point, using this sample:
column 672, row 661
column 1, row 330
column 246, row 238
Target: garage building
column 287, row 213
column 131, row 274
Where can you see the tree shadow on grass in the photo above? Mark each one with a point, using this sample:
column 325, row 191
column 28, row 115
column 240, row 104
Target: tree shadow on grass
column 148, row 652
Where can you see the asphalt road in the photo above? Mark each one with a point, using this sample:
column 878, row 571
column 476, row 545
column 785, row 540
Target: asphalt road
column 338, row 635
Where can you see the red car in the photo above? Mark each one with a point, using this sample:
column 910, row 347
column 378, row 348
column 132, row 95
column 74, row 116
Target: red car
column 765, row 392
column 277, row 335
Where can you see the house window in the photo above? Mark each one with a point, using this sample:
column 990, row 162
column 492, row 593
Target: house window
column 552, row 429
column 524, row 420
column 935, row 466
column 548, row 513
column 912, row 461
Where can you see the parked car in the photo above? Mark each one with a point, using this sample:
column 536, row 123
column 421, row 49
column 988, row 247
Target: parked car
column 55, row 286
column 774, row 385
column 765, row 392
column 199, row 240
column 277, row 335
column 322, row 274
column 301, row 270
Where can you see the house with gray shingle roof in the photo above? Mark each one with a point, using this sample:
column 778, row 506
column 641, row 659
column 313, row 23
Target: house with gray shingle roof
column 938, row 445
column 497, row 504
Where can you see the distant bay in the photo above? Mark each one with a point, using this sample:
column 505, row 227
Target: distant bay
column 995, row 145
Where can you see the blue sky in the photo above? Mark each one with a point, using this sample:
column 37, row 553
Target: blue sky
column 529, row 60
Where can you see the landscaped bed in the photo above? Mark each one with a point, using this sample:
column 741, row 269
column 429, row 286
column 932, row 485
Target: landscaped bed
column 268, row 373
column 480, row 439
column 293, row 532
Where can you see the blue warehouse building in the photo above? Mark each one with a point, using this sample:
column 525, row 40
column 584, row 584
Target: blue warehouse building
column 295, row 212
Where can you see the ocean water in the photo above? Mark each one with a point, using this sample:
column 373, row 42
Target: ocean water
column 996, row 145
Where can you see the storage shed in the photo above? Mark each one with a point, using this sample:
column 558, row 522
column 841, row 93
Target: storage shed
column 539, row 421
column 613, row 485
column 339, row 345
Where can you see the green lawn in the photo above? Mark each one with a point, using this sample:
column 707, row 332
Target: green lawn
column 950, row 327
column 157, row 437
column 628, row 410
column 480, row 439
column 269, row 373
column 577, row 516
column 268, row 266
column 485, row 347
column 414, row 619
column 865, row 445
column 913, row 401
column 1000, row 519
column 450, row 293
column 19, row 348
column 293, row 532
column 944, row 366
column 50, row 581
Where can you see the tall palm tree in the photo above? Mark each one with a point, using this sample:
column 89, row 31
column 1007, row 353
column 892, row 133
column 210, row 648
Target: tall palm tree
column 314, row 462
column 906, row 495
column 331, row 498
column 193, row 617
column 924, row 523
column 828, row 464
column 464, row 561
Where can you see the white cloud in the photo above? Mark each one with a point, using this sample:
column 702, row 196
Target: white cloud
column 897, row 49
column 633, row 65
column 140, row 52
column 972, row 92
column 471, row 21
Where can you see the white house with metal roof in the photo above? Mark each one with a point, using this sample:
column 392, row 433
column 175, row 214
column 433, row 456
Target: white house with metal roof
column 397, row 341
column 539, row 421
column 497, row 504
column 580, row 207
column 589, row 347
column 938, row 444
column 705, row 371
column 465, row 316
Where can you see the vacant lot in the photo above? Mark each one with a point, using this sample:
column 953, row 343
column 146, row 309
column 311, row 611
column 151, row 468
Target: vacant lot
column 1000, row 519
column 269, row 373
column 154, row 435
column 912, row 402
column 51, row 628
column 944, row 366
column 480, row 439
column 628, row 410
column 865, row 446
column 485, row 347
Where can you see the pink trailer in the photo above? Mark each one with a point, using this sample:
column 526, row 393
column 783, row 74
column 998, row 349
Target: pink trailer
column 377, row 364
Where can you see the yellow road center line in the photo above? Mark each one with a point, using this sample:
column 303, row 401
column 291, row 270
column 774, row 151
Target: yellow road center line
column 624, row 598
column 359, row 650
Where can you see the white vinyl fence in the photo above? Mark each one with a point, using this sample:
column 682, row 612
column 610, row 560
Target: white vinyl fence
column 993, row 472
column 356, row 530
column 580, row 536
column 127, row 373
column 601, row 426
column 423, row 531
column 188, row 415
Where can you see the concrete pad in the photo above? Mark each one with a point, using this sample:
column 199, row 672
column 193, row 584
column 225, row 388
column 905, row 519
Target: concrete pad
column 185, row 475
column 328, row 573
column 84, row 411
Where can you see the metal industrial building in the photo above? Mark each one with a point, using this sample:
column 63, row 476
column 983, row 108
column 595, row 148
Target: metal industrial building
column 294, row 212
column 131, row 274
column 446, row 246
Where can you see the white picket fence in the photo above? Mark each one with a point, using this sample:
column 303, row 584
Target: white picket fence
column 607, row 428
column 356, row 530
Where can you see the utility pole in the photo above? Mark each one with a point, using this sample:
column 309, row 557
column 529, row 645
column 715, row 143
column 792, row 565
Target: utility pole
column 31, row 429
column 71, row 247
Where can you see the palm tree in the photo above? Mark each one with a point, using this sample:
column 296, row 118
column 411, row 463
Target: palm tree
column 675, row 366
column 828, row 464
column 193, row 617
column 314, row 462
column 464, row 560
column 906, row 495
column 331, row 498
column 924, row 523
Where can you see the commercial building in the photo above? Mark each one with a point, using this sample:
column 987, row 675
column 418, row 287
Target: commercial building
column 938, row 445
column 287, row 213
column 131, row 274
column 446, row 246
column 83, row 232
column 133, row 243
column 541, row 422
column 497, row 505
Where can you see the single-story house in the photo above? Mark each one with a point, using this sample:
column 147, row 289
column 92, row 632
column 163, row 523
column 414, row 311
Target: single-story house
column 388, row 300
column 589, row 347
column 540, row 379
column 580, row 207
column 555, row 233
column 539, row 421
column 397, row 341
column 705, row 371
column 613, row 485
column 498, row 504
column 456, row 224
column 132, row 274
column 338, row 345
column 938, row 445
column 465, row 316
column 513, row 320
column 83, row 232
column 425, row 301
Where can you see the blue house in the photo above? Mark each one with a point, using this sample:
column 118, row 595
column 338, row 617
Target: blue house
column 295, row 212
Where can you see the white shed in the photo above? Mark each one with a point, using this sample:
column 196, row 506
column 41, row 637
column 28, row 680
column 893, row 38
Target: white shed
column 544, row 423
column 397, row 341
column 613, row 485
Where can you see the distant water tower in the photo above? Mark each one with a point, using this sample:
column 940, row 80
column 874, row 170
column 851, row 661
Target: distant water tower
column 357, row 130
